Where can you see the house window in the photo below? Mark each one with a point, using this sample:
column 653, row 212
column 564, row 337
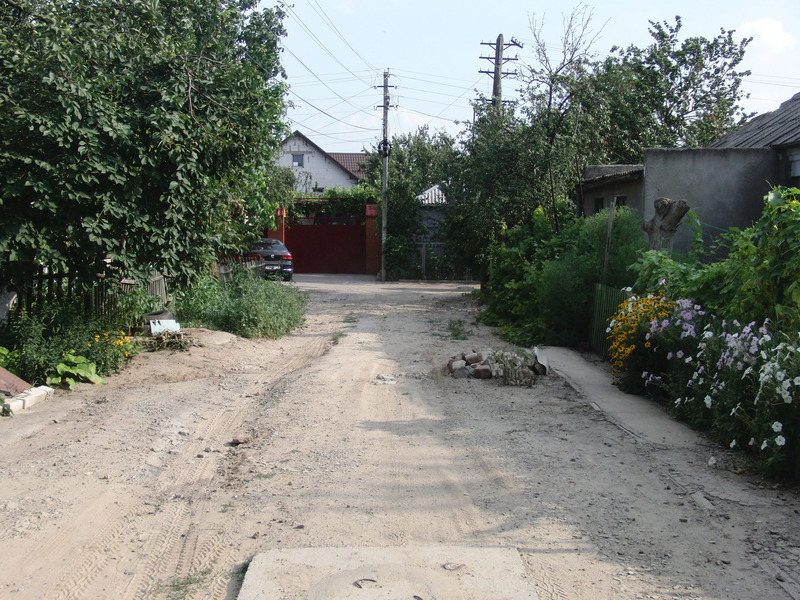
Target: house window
column 297, row 160
column 621, row 200
column 598, row 205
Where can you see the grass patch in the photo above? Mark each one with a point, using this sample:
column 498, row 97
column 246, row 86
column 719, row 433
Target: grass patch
column 179, row 587
column 241, row 570
column 455, row 328
column 246, row 305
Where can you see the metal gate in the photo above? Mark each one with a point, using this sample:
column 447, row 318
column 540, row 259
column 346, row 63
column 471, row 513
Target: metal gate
column 328, row 248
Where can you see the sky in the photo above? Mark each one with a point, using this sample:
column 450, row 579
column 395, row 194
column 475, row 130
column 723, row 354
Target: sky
column 336, row 52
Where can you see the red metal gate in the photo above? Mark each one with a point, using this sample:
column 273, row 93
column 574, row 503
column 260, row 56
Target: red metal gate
column 328, row 248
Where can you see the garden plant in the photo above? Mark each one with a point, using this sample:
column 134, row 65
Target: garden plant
column 717, row 343
column 535, row 269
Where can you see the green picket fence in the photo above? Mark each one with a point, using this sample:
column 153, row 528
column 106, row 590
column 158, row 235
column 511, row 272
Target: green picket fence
column 606, row 301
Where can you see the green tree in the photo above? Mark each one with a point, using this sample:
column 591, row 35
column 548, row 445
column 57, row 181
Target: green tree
column 513, row 161
column 559, row 128
column 672, row 93
column 136, row 136
column 491, row 187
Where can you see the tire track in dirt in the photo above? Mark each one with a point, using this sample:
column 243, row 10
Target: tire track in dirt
column 174, row 549
column 173, row 554
column 93, row 556
column 544, row 578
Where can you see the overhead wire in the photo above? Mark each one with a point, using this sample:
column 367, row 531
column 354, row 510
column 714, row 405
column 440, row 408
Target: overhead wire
column 319, row 43
column 312, row 72
column 330, row 115
column 332, row 80
column 335, row 29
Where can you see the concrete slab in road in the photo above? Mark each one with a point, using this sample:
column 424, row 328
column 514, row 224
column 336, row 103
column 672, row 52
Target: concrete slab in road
column 424, row 573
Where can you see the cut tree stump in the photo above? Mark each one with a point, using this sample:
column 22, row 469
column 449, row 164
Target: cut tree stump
column 665, row 221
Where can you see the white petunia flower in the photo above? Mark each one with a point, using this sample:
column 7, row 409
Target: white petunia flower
column 780, row 440
column 777, row 427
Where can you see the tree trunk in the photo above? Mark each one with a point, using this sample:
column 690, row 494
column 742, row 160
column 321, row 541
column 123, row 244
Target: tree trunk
column 665, row 221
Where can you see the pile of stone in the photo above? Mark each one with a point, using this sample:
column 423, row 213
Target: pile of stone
column 512, row 367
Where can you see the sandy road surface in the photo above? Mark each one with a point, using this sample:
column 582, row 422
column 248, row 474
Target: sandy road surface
column 353, row 437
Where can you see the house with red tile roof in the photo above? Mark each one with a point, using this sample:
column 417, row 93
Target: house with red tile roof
column 315, row 169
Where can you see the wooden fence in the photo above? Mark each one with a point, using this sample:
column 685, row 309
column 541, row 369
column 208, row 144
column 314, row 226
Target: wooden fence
column 606, row 302
column 47, row 288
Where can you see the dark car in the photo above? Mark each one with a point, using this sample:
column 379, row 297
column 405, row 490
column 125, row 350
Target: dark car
column 273, row 259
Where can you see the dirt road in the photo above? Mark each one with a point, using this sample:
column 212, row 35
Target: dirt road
column 165, row 482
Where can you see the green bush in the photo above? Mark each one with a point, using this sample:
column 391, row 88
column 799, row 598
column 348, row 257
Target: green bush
column 38, row 342
column 564, row 297
column 541, row 286
column 246, row 305
column 758, row 278
column 130, row 306
column 402, row 258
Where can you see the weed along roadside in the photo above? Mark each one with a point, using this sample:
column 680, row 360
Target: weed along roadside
column 64, row 343
column 349, row 434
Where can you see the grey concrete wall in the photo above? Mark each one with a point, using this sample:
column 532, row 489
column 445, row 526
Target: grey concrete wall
column 725, row 187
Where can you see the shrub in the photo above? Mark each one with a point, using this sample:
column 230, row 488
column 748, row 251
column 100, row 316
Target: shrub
column 759, row 277
column 571, row 278
column 246, row 305
column 541, row 287
column 402, row 258
column 734, row 380
column 39, row 342
column 130, row 306
column 630, row 330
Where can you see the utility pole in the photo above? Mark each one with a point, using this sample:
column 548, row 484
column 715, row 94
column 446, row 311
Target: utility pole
column 499, row 61
column 384, row 149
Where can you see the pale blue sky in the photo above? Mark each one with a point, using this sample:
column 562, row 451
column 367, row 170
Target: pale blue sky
column 336, row 51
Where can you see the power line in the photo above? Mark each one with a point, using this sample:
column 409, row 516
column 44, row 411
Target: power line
column 434, row 82
column 327, row 114
column 319, row 43
column 456, row 100
column 335, row 29
column 318, row 79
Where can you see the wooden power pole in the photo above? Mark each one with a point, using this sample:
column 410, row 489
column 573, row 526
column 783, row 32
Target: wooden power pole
column 498, row 73
column 384, row 149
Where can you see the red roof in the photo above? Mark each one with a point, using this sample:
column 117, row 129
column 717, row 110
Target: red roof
column 354, row 162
